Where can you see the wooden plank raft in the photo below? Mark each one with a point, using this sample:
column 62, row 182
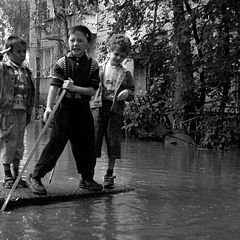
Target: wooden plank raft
column 58, row 191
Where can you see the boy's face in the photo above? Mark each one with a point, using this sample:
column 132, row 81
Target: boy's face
column 17, row 54
column 78, row 43
column 117, row 57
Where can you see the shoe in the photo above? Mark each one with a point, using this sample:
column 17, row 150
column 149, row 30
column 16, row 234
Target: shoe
column 8, row 182
column 90, row 185
column 108, row 181
column 21, row 183
column 36, row 186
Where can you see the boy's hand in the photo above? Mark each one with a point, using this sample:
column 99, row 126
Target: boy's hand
column 69, row 85
column 123, row 95
column 3, row 52
column 46, row 114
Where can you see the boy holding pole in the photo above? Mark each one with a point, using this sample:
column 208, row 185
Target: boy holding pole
column 79, row 75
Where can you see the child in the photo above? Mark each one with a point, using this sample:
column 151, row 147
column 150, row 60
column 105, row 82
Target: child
column 16, row 103
column 116, row 87
column 73, row 119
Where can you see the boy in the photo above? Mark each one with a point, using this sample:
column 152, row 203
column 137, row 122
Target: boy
column 16, row 103
column 73, row 119
column 116, row 87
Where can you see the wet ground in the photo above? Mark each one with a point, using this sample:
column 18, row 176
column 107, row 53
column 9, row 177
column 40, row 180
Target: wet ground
column 180, row 193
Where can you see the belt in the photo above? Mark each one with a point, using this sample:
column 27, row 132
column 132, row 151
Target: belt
column 73, row 95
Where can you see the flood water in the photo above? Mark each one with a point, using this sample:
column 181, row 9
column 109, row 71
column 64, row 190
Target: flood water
column 180, row 193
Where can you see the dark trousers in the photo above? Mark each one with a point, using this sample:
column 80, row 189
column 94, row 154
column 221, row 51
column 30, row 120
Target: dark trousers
column 108, row 125
column 73, row 121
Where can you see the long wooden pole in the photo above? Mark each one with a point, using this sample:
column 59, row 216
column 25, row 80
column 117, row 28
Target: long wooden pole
column 51, row 175
column 33, row 149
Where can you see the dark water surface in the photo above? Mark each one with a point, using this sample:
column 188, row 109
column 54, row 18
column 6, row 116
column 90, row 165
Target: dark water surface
column 181, row 193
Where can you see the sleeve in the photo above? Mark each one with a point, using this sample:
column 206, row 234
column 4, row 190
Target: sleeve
column 1, row 86
column 58, row 73
column 94, row 78
column 5, row 85
column 30, row 97
column 130, row 85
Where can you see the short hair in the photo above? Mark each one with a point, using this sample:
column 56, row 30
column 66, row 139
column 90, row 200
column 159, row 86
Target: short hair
column 119, row 42
column 82, row 29
column 12, row 40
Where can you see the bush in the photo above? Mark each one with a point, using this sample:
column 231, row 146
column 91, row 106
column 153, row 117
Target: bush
column 219, row 131
column 144, row 114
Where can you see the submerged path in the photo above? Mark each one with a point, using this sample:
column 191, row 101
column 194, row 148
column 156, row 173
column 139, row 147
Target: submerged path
column 59, row 191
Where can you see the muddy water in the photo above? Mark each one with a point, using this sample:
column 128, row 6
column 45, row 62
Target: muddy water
column 181, row 193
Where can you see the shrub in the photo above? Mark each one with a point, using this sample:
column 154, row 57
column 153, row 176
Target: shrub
column 219, row 131
column 147, row 110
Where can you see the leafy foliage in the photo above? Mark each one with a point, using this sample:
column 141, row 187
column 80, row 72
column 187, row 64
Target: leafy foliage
column 144, row 114
column 221, row 132
column 15, row 16
column 212, row 30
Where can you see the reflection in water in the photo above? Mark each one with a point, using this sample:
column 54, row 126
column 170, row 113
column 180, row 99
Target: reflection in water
column 181, row 193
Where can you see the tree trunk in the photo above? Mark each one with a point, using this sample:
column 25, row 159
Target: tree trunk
column 184, row 92
column 152, row 40
column 202, row 97
column 226, row 81
column 65, row 24
column 38, row 72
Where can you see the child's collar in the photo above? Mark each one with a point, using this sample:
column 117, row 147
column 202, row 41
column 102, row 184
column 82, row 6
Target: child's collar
column 108, row 61
column 72, row 56
column 11, row 63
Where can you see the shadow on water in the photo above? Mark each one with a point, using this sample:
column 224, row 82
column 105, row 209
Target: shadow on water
column 181, row 193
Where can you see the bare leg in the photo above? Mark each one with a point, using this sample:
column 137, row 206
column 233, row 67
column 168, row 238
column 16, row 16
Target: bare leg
column 111, row 163
column 16, row 163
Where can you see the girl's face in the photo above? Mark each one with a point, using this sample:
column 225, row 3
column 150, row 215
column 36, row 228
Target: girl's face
column 18, row 53
column 117, row 57
column 78, row 43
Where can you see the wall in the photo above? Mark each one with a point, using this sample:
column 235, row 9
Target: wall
column 44, row 86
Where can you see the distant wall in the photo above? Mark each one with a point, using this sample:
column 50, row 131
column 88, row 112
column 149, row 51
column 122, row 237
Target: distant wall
column 44, row 87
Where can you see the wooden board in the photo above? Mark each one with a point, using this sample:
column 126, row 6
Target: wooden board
column 58, row 191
